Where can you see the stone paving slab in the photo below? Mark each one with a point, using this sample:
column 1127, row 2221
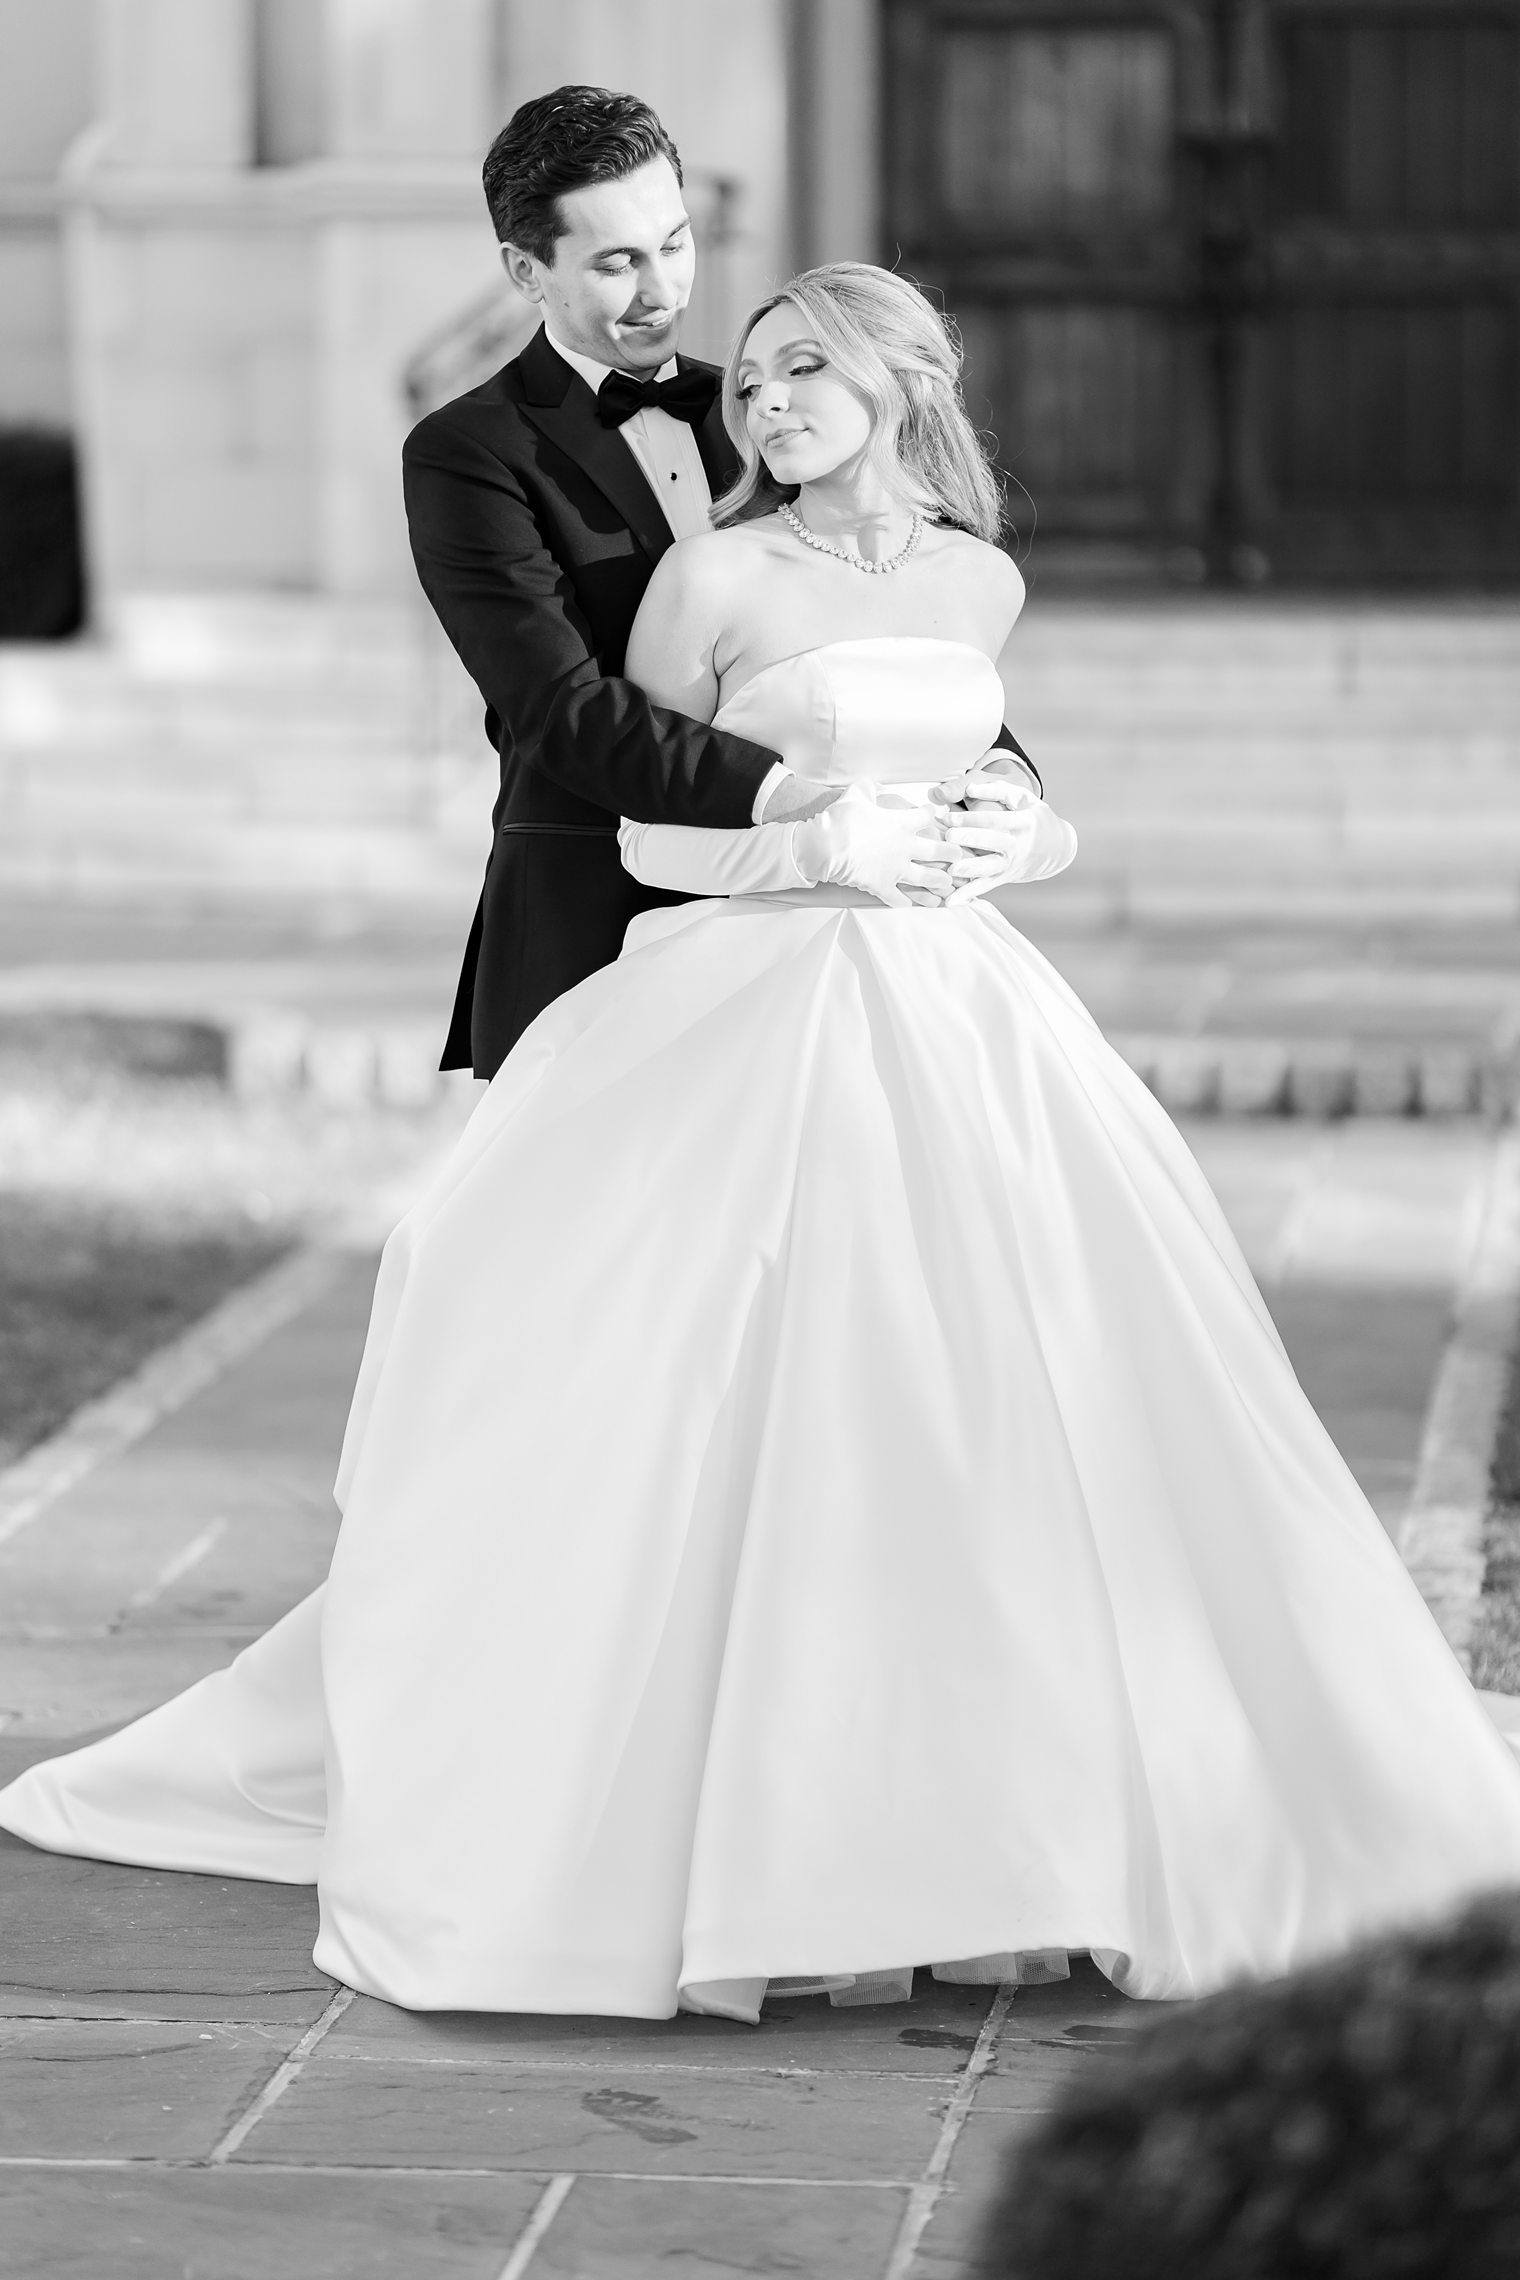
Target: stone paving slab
column 707, row 2230
column 59, row 1685
column 231, row 2224
column 801, row 2035
column 606, row 2121
column 1366, row 1359
column 260, row 2006
column 1359, row 1235
column 133, row 2089
column 98, row 1622
column 100, row 1938
column 1083, row 2013
column 981, row 2154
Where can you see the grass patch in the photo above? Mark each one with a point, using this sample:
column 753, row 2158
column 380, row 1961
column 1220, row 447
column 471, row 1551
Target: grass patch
column 88, row 1292
column 136, row 1191
column 1496, row 1641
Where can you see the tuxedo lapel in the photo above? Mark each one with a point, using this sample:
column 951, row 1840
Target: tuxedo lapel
column 562, row 407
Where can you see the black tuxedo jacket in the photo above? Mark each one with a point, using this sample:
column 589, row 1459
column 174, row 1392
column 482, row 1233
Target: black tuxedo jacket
column 535, row 534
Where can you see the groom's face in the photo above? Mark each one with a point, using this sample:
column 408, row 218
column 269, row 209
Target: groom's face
column 621, row 276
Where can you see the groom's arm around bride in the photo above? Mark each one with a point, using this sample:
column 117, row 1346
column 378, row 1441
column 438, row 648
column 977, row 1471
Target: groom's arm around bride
column 539, row 505
column 536, row 526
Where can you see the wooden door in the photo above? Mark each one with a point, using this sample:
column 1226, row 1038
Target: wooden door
column 1032, row 181
column 1379, row 434
column 1238, row 280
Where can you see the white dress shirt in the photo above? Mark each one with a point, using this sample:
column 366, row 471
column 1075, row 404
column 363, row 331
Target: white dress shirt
column 666, row 450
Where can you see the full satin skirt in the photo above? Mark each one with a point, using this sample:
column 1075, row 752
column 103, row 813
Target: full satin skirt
column 823, row 1494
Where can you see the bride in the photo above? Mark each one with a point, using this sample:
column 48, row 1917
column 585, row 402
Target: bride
column 823, row 1493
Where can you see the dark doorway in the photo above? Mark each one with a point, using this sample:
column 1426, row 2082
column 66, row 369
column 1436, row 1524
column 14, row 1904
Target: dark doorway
column 1239, row 280
column 41, row 555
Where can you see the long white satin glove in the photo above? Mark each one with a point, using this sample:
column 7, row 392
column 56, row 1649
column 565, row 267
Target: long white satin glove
column 1007, row 835
column 755, row 861
column 897, row 854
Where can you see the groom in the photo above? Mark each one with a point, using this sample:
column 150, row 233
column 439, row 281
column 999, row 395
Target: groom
column 538, row 506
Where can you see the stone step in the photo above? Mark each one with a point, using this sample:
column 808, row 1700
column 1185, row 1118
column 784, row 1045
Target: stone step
column 1324, row 1077
column 1426, row 704
column 239, row 856
column 42, row 790
column 1353, row 838
column 1237, row 750
column 1091, row 897
column 1230, row 800
column 1171, row 848
column 209, row 636
column 1220, row 784
column 1219, row 790
column 1233, row 772
column 1307, row 634
column 44, row 697
column 1222, row 769
column 253, row 856
column 1087, row 704
column 1216, row 758
column 1152, row 856
column 39, row 714
column 1166, row 666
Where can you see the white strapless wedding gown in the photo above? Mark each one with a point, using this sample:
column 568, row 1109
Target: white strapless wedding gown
column 824, row 1494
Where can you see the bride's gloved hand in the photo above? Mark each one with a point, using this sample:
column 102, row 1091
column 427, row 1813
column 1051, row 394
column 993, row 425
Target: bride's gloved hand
column 1007, row 835
column 897, row 854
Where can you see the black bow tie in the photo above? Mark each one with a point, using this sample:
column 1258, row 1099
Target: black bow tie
column 686, row 396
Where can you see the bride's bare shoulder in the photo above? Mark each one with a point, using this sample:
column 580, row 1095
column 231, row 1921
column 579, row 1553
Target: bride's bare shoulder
column 712, row 560
column 988, row 581
column 987, row 562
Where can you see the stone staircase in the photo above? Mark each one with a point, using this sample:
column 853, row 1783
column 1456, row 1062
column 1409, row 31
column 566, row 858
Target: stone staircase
column 1279, row 762
column 1298, row 887
column 246, row 747
column 1222, row 762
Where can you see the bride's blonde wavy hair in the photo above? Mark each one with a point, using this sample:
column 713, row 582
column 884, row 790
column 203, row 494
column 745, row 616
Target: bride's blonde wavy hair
column 902, row 359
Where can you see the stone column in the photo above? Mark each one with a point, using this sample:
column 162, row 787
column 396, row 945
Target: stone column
column 46, row 93
column 835, row 131
column 189, row 314
column 402, row 248
column 175, row 80
column 409, row 81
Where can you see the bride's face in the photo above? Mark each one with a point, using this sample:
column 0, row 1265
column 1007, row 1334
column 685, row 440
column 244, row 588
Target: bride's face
column 804, row 421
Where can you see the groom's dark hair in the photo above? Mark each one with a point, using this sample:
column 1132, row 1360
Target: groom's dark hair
column 563, row 141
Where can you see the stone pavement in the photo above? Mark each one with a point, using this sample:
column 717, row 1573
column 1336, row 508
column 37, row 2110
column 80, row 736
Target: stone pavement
column 181, row 2092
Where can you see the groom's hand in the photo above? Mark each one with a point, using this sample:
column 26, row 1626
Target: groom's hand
column 897, row 854
column 995, row 774
column 793, row 801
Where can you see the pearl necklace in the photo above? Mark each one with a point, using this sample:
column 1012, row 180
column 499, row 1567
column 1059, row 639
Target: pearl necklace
column 799, row 528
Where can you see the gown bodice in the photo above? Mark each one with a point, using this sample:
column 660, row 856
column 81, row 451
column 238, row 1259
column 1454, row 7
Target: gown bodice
column 888, row 709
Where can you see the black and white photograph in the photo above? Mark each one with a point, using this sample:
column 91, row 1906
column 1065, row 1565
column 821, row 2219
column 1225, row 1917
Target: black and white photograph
column 759, row 1139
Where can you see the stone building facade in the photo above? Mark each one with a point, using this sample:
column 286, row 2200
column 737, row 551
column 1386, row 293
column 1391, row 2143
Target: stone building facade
column 231, row 230
column 1239, row 280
